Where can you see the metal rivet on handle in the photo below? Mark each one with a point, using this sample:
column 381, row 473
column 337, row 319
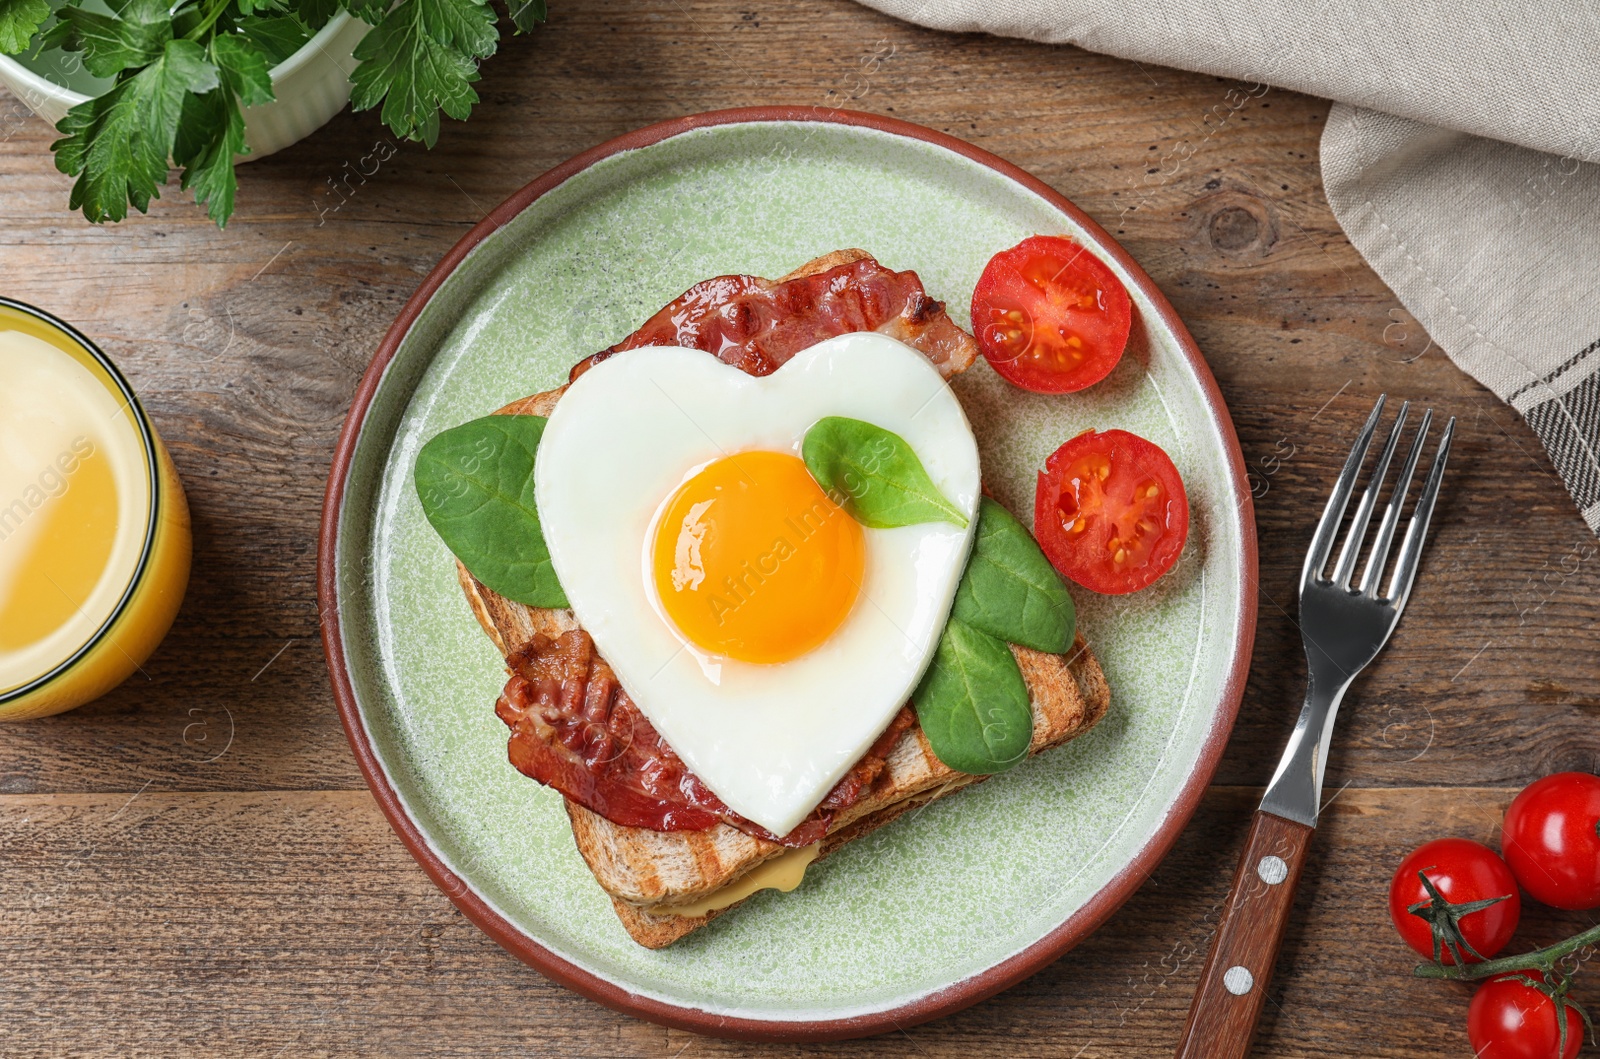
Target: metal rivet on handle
column 1272, row 870
column 1238, row 980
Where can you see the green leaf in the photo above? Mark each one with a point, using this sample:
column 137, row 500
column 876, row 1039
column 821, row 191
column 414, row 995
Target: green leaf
column 277, row 36
column 525, row 14
column 421, row 59
column 475, row 482
column 110, row 44
column 316, row 13
column 117, row 144
column 249, row 8
column 211, row 132
column 873, row 474
column 1010, row 590
column 244, row 68
column 973, row 704
column 369, row 11
column 19, row 21
column 210, row 135
column 467, row 25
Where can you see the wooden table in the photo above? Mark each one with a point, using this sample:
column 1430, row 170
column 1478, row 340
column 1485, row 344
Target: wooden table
column 192, row 866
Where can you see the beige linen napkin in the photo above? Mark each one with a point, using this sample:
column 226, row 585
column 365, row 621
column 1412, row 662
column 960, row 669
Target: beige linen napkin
column 1461, row 160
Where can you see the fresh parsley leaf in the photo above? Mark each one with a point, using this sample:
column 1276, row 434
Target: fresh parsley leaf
column 19, row 21
column 369, row 11
column 113, row 43
column 525, row 14
column 117, row 144
column 278, row 36
column 421, row 59
column 211, row 134
column 316, row 13
column 244, row 68
column 250, row 7
column 467, row 25
column 58, row 34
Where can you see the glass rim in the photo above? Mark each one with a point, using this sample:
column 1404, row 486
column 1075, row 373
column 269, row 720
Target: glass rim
column 152, row 467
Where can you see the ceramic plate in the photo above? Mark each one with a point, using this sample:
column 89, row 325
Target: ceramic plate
column 924, row 916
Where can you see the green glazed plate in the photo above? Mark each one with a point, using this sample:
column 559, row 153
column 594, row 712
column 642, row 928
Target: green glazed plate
column 939, row 909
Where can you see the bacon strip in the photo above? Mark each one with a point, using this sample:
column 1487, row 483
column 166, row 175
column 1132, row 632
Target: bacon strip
column 574, row 728
column 757, row 324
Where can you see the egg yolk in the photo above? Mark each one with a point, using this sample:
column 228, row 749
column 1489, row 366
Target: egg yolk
column 752, row 560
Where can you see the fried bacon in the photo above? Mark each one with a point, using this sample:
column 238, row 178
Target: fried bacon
column 757, row 324
column 574, row 728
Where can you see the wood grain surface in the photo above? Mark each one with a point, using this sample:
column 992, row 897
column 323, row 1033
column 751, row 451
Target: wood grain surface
column 192, row 867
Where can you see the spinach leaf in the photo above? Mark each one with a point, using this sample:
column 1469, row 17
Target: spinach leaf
column 973, row 704
column 475, row 482
column 873, row 474
column 1010, row 590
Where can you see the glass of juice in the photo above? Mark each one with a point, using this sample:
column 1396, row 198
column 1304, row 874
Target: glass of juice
column 94, row 528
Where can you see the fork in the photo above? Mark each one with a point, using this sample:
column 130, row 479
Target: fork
column 1344, row 624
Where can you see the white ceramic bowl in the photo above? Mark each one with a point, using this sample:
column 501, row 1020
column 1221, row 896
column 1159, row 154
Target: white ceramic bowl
column 311, row 86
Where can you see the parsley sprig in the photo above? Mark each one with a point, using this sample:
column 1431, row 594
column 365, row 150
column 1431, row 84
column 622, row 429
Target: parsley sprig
column 181, row 71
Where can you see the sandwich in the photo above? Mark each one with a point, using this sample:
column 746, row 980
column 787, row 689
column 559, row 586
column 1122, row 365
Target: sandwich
column 855, row 663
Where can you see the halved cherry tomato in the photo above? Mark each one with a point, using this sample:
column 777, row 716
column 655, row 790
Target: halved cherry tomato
column 1050, row 316
column 1110, row 511
column 1462, row 871
column 1510, row 1020
column 1551, row 842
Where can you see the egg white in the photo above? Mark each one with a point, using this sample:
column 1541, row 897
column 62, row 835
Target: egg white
column 769, row 740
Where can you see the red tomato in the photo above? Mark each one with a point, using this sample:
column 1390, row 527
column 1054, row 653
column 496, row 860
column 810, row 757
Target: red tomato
column 1509, row 1020
column 1110, row 511
column 1462, row 870
column 1050, row 316
column 1550, row 840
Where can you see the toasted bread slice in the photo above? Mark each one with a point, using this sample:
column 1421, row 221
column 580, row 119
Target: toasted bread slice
column 647, row 872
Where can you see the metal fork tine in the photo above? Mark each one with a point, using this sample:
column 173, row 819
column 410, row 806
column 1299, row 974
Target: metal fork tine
column 1357, row 534
column 1333, row 514
column 1405, row 569
column 1373, row 575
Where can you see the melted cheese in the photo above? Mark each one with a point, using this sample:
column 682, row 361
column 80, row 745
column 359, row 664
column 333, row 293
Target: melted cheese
column 780, row 873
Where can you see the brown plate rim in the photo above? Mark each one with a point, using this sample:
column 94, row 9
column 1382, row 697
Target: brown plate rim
column 939, row 1002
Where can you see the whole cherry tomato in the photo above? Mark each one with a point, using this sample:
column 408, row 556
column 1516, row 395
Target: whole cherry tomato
column 1510, row 1020
column 1462, row 871
column 1551, row 842
column 1050, row 316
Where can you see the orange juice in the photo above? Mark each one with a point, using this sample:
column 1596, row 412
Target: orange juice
column 94, row 529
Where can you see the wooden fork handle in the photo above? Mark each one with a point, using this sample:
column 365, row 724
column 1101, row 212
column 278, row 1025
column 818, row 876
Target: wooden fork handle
column 1233, row 983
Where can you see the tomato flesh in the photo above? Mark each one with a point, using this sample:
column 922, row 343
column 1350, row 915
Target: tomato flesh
column 1462, row 870
column 1510, row 1020
column 1050, row 316
column 1110, row 511
column 1551, row 842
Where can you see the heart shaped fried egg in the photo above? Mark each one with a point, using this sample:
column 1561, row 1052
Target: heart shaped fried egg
column 767, row 635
